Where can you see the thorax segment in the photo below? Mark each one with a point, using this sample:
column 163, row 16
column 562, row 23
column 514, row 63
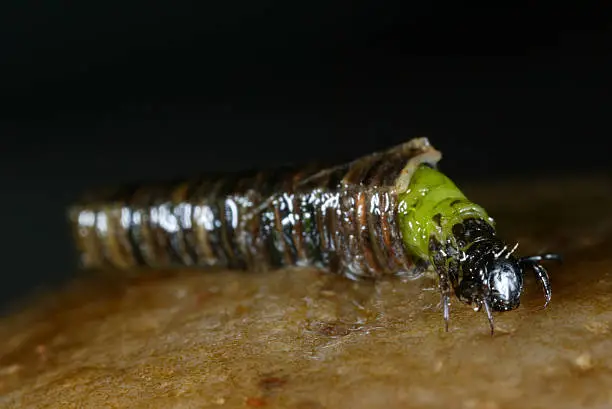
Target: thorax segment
column 430, row 208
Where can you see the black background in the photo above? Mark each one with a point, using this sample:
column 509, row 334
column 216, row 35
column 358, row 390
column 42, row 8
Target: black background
column 104, row 92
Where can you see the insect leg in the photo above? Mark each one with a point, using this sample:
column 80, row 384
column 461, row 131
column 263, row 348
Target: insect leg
column 489, row 315
column 446, row 306
column 541, row 257
column 540, row 272
column 445, row 296
column 542, row 276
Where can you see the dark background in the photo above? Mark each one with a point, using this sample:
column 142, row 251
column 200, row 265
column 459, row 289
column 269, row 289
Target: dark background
column 105, row 92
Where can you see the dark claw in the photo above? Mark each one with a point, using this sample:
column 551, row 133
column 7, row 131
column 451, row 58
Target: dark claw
column 540, row 271
column 544, row 280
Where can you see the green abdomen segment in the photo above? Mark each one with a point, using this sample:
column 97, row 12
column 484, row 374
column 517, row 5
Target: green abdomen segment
column 431, row 206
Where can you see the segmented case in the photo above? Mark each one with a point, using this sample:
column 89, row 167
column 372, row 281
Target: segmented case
column 341, row 219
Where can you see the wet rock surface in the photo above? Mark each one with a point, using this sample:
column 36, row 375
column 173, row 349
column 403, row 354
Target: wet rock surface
column 306, row 340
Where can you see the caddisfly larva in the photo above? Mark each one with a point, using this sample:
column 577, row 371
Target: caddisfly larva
column 388, row 213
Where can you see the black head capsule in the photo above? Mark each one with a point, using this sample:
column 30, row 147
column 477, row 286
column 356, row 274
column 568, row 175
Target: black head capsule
column 493, row 279
column 505, row 282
